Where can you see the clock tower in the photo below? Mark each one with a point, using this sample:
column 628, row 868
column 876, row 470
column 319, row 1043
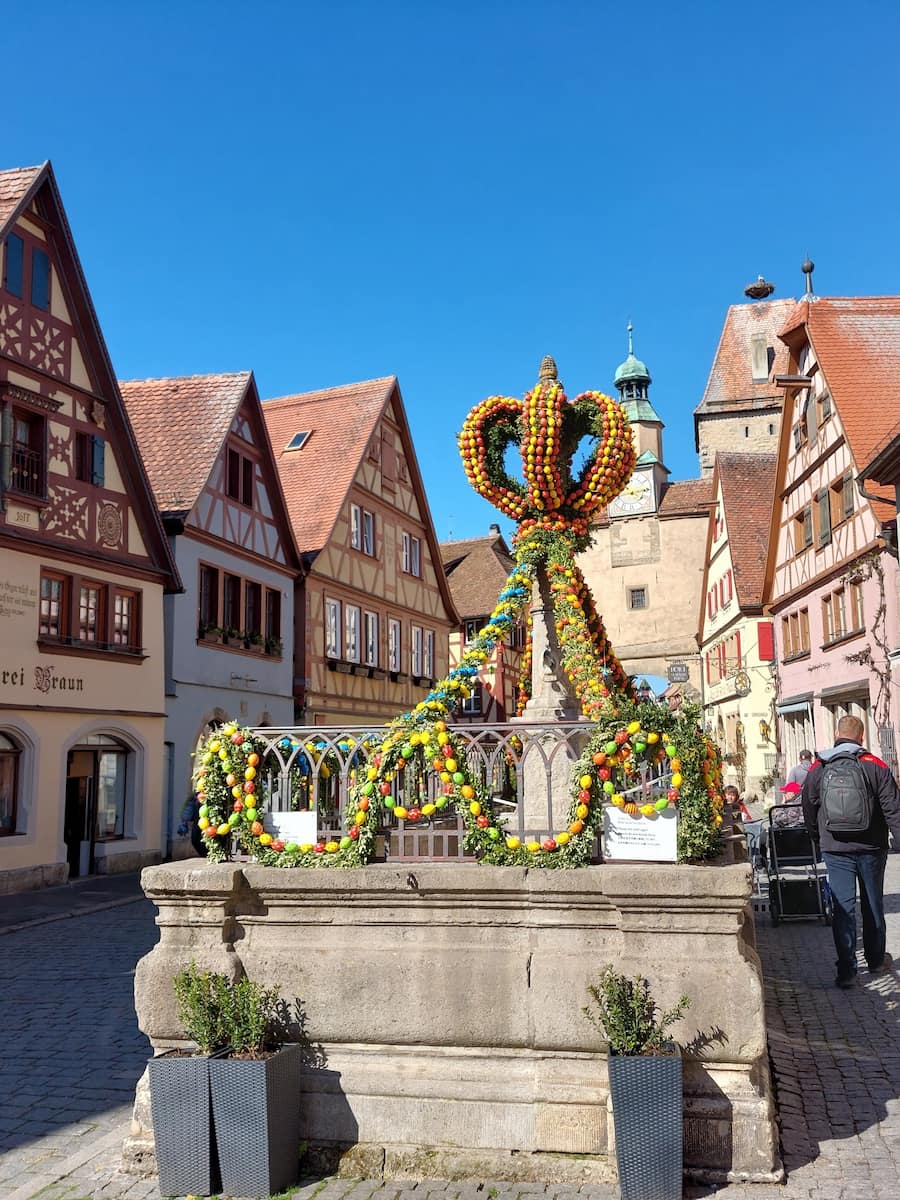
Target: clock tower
column 642, row 493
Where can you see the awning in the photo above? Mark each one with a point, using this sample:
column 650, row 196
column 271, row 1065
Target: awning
column 793, row 706
column 849, row 690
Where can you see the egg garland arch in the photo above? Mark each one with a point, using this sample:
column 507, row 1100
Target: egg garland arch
column 553, row 511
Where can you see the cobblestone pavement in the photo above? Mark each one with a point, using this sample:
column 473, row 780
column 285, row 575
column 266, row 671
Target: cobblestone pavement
column 73, row 1054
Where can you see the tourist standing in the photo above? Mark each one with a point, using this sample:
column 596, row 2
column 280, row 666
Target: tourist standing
column 850, row 800
column 799, row 773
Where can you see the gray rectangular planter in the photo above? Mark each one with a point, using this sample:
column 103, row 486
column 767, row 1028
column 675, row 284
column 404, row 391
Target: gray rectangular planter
column 256, row 1111
column 182, row 1125
column 648, row 1108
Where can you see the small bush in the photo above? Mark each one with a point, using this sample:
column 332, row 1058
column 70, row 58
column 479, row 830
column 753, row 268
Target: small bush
column 201, row 997
column 625, row 1013
column 243, row 1017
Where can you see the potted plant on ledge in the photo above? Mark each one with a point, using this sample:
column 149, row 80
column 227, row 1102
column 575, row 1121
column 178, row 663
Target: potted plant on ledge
column 179, row 1089
column 255, row 1087
column 644, row 1082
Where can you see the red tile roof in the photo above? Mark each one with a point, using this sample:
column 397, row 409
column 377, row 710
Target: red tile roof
column 316, row 478
column 748, row 494
column 476, row 570
column 180, row 425
column 687, row 496
column 13, row 186
column 856, row 340
column 730, row 382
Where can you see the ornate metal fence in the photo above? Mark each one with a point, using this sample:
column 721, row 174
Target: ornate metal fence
column 315, row 767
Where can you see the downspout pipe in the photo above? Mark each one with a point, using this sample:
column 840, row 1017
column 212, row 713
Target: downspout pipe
column 889, row 534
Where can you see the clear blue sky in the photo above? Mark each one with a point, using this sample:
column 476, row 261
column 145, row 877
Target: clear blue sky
column 326, row 192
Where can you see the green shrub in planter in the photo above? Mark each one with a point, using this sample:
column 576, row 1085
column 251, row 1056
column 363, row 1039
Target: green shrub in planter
column 179, row 1089
column 255, row 1089
column 645, row 1084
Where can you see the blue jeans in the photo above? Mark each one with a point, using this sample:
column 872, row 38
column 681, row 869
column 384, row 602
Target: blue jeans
column 844, row 870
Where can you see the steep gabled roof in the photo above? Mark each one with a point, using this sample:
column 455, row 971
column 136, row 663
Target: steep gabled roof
column 180, row 424
column 19, row 188
column 748, row 493
column 731, row 386
column 856, row 340
column 477, row 568
column 15, row 185
column 316, row 479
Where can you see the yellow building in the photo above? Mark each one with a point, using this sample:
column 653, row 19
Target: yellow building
column 85, row 567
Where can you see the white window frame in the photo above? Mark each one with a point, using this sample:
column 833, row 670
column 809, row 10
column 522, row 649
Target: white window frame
column 395, row 644
column 370, row 622
column 416, row 649
column 412, row 555
column 351, row 632
column 473, row 706
column 332, row 628
column 368, row 533
column 428, row 655
column 356, row 526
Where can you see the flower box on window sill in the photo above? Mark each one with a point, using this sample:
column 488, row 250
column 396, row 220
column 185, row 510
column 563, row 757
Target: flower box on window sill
column 398, row 677
column 274, row 647
column 422, row 680
column 359, row 669
column 377, row 673
column 340, row 665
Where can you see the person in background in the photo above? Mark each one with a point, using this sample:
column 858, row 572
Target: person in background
column 858, row 856
column 799, row 773
column 790, row 795
column 732, row 798
column 190, row 815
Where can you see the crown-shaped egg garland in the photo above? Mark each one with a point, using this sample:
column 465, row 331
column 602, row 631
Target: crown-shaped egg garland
column 553, row 511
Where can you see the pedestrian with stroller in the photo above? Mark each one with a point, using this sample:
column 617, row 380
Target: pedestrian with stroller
column 850, row 801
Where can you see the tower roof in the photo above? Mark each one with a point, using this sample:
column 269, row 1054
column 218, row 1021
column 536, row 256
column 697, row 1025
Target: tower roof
column 632, row 368
column 632, row 379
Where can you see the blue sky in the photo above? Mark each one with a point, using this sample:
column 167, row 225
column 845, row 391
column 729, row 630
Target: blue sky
column 327, row 192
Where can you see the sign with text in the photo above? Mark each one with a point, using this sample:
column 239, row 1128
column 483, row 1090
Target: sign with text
column 630, row 837
column 678, row 672
column 299, row 827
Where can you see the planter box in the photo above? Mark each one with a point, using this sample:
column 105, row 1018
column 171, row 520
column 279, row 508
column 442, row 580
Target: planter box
column 256, row 1110
column 180, row 1107
column 648, row 1108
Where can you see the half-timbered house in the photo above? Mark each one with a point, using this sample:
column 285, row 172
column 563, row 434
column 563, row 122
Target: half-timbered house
column 477, row 569
column 378, row 609
column 230, row 634
column 85, row 566
column 736, row 640
column 832, row 583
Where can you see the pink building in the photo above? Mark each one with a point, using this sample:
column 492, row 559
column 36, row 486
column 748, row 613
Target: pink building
column 832, row 580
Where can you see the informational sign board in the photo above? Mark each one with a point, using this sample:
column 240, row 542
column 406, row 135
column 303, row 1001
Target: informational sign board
column 299, row 827
column 678, row 672
column 629, row 837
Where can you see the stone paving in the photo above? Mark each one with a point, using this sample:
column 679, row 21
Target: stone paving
column 73, row 1054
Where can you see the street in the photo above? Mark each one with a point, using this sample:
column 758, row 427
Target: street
column 74, row 1055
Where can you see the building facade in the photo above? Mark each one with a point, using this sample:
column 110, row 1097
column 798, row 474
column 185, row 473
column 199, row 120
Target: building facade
column 230, row 633
column 735, row 638
column 85, row 569
column 377, row 610
column 645, row 565
column 832, row 580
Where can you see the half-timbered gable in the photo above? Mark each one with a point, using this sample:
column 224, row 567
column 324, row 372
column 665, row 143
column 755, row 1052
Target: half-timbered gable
column 477, row 569
column 378, row 609
column 831, row 582
column 735, row 639
column 230, row 634
column 86, row 564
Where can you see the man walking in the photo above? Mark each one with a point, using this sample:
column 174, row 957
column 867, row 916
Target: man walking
column 850, row 799
column 799, row 773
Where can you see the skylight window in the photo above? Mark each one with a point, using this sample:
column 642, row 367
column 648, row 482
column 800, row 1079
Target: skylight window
column 299, row 440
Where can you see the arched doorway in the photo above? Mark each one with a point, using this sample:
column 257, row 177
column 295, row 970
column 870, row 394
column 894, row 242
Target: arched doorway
column 96, row 798
column 10, row 753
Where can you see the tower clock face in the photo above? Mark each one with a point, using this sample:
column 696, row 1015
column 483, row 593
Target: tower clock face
column 636, row 497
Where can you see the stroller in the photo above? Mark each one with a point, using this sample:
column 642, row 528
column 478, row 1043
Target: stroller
column 798, row 887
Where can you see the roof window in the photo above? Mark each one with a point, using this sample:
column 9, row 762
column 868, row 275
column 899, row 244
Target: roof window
column 299, row 440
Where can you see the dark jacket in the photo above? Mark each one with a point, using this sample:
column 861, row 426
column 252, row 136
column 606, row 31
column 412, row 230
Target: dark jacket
column 885, row 810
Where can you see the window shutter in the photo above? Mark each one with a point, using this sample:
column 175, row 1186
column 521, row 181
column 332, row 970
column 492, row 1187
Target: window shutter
column 849, row 495
column 822, row 499
column 765, row 637
column 98, row 460
column 737, row 649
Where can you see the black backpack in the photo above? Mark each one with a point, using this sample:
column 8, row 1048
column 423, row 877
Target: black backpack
column 845, row 795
